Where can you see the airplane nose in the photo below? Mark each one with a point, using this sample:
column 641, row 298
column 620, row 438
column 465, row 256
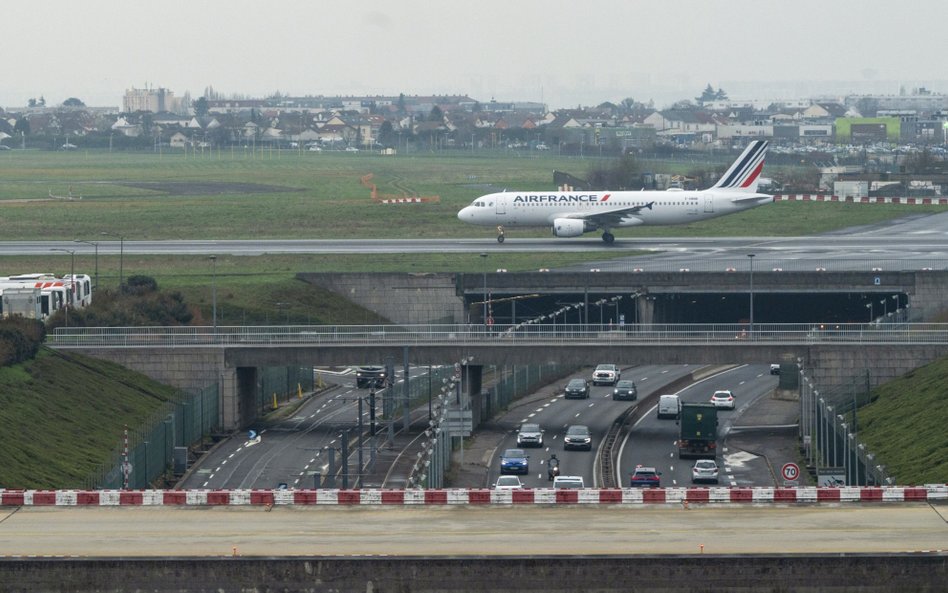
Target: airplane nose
column 463, row 213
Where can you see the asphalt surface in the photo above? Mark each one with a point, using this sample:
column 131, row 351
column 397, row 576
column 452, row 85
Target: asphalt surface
column 764, row 429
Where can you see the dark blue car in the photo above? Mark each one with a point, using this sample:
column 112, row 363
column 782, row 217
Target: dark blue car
column 514, row 461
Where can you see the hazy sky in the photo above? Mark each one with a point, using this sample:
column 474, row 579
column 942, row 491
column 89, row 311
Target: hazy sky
column 562, row 53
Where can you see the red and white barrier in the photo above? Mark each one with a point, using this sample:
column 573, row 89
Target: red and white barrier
column 460, row 496
column 916, row 201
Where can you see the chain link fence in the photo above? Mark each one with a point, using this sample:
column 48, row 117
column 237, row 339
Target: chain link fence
column 829, row 430
column 187, row 422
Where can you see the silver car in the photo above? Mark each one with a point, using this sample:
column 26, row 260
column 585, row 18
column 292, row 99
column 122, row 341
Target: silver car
column 705, row 470
column 529, row 435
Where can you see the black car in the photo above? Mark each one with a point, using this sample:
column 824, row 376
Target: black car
column 578, row 388
column 625, row 390
column 577, row 437
column 370, row 376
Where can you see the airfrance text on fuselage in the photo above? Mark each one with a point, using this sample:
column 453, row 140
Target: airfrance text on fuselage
column 561, row 198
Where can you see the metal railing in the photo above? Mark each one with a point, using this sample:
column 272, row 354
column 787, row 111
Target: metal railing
column 454, row 334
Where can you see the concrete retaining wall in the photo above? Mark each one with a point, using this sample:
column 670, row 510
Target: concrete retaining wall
column 837, row 573
column 402, row 298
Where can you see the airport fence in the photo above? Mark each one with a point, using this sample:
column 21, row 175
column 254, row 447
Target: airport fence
column 187, row 423
column 829, row 431
column 182, row 423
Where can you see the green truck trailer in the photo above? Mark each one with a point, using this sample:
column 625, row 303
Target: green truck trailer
column 698, row 431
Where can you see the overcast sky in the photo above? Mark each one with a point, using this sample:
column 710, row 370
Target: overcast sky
column 563, row 54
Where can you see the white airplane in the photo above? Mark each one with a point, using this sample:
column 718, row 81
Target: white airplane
column 572, row 213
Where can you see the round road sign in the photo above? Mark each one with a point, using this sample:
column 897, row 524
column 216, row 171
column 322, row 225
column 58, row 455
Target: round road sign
column 790, row 471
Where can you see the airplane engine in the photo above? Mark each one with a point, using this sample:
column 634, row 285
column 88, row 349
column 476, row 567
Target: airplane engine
column 568, row 227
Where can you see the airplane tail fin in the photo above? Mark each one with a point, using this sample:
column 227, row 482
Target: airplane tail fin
column 744, row 174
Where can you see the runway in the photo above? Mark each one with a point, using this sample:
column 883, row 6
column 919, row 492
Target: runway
column 911, row 243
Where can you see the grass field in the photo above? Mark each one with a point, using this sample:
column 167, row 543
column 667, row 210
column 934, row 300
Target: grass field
column 287, row 194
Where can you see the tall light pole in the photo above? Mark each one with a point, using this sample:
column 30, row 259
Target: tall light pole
column 71, row 294
column 96, row 245
column 121, row 256
column 484, row 257
column 213, row 259
column 750, row 257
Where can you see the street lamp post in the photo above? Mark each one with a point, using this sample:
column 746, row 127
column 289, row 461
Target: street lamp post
column 869, row 307
column 121, row 256
column 71, row 293
column 484, row 257
column 96, row 245
column 750, row 256
column 213, row 259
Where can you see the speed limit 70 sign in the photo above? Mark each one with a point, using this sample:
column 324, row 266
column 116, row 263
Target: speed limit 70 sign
column 790, row 471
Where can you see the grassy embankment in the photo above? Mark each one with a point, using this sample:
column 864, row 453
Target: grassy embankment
column 63, row 415
column 323, row 198
column 904, row 426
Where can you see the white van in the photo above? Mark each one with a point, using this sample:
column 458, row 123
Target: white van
column 669, row 406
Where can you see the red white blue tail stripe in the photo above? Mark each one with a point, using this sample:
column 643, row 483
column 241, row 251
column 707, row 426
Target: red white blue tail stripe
column 744, row 173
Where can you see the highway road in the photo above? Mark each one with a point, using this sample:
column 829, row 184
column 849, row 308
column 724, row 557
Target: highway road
column 293, row 449
column 597, row 412
column 651, row 442
column 473, row 530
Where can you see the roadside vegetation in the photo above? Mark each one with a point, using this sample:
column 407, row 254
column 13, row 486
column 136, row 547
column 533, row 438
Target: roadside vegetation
column 904, row 426
column 64, row 414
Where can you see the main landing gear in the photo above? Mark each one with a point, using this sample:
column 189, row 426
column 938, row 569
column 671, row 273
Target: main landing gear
column 500, row 233
column 608, row 238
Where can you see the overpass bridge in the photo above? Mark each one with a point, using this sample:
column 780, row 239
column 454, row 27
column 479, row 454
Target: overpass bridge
column 194, row 357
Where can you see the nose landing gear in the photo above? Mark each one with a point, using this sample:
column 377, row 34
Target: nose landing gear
column 500, row 233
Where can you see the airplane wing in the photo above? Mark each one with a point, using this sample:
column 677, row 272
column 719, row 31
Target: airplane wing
column 611, row 218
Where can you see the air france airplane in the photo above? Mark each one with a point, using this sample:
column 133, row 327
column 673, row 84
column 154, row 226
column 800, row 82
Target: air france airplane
column 572, row 213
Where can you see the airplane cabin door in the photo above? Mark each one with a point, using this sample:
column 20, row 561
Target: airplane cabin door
column 501, row 205
column 708, row 204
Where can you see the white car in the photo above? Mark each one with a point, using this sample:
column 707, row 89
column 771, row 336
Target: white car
column 606, row 374
column 508, row 483
column 705, row 470
column 723, row 399
column 560, row 482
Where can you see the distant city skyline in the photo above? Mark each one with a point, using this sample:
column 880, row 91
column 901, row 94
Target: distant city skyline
column 649, row 50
